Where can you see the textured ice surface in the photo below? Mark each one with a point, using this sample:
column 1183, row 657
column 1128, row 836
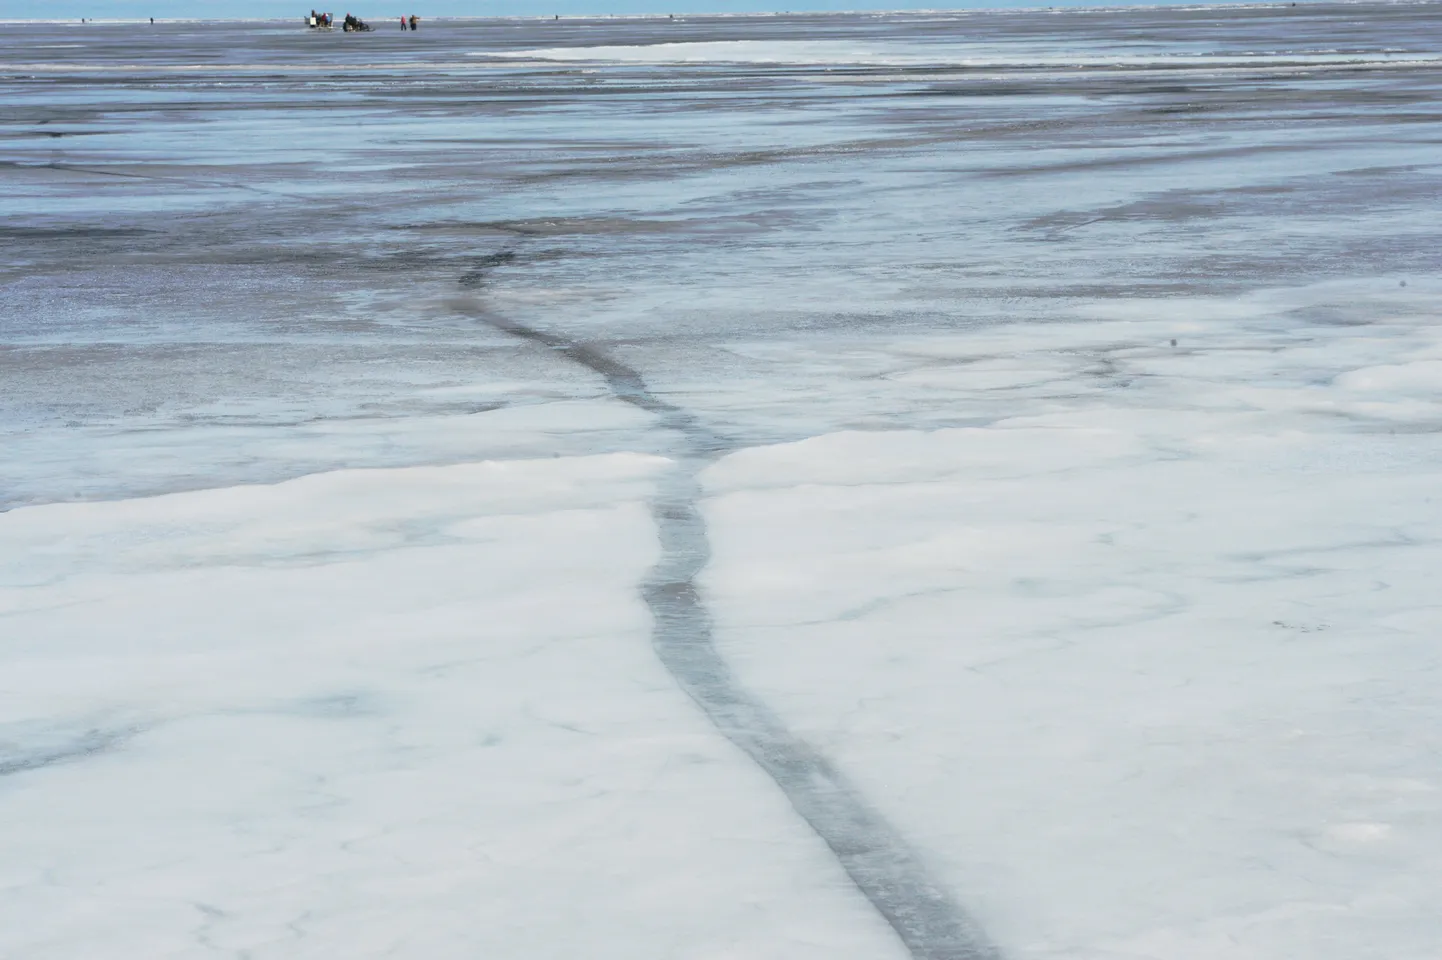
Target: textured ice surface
column 1060, row 391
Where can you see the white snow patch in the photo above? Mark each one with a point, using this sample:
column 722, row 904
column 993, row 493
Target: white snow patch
column 412, row 711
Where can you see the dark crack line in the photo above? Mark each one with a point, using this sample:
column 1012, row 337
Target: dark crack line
column 879, row 861
column 187, row 181
column 92, row 743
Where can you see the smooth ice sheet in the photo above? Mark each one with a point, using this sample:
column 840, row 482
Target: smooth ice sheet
column 1167, row 667
column 405, row 712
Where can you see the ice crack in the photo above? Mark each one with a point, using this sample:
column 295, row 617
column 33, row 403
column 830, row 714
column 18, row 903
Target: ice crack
column 89, row 744
column 879, row 861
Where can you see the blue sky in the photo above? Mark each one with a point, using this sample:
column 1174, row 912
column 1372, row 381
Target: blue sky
column 51, row 9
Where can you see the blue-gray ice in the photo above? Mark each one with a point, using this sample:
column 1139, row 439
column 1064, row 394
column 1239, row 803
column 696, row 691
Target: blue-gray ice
column 947, row 485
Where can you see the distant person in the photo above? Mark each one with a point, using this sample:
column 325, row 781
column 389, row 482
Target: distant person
column 415, row 20
column 403, row 21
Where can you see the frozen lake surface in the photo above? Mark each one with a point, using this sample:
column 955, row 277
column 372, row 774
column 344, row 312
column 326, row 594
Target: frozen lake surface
column 954, row 486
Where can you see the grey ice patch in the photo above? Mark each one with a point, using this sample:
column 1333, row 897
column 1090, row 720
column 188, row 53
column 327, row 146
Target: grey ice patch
column 476, row 277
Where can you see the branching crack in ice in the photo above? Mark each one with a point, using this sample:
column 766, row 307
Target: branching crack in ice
column 931, row 924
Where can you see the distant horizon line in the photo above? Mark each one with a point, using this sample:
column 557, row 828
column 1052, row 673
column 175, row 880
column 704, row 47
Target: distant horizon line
column 1065, row 5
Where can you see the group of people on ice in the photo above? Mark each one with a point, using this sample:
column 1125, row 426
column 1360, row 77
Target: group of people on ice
column 355, row 24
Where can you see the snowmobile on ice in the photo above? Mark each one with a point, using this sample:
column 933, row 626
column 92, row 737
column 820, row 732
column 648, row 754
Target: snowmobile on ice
column 355, row 25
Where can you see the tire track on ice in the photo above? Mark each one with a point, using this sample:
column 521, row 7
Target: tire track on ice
column 879, row 861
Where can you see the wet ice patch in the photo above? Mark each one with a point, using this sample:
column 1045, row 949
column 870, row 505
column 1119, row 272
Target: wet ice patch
column 719, row 51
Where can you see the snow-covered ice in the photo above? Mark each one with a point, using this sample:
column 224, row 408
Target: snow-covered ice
column 1169, row 669
column 1060, row 392
column 407, row 712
